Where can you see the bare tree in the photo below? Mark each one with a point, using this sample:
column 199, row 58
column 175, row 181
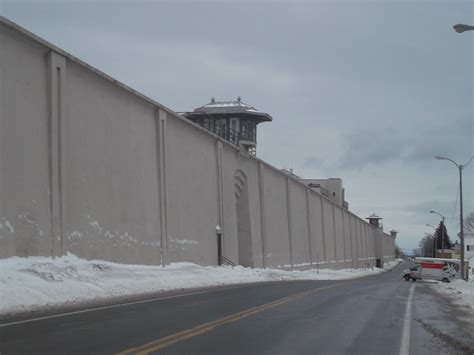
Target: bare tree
column 427, row 246
column 469, row 223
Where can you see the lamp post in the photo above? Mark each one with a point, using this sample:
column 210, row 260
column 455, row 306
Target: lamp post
column 461, row 218
column 460, row 28
column 442, row 229
column 219, row 245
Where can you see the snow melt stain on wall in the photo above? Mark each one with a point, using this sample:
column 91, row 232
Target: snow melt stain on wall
column 74, row 235
column 183, row 241
column 97, row 234
column 179, row 247
column 95, row 225
column 124, row 238
column 6, row 229
column 26, row 218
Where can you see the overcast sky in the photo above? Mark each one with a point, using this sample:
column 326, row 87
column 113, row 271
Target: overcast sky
column 368, row 91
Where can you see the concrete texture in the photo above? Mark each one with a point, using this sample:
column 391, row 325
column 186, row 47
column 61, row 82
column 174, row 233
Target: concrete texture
column 91, row 167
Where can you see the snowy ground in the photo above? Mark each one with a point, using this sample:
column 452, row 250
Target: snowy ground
column 461, row 291
column 33, row 283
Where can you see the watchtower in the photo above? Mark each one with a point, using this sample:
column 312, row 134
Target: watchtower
column 234, row 121
column 374, row 220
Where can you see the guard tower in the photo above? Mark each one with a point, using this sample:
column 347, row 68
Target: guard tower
column 374, row 220
column 234, row 121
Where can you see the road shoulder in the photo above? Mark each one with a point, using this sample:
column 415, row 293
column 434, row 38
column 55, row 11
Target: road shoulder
column 447, row 325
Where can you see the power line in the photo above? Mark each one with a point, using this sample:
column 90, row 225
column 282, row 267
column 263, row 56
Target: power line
column 454, row 209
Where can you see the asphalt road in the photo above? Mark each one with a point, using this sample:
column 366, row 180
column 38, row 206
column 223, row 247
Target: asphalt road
column 364, row 316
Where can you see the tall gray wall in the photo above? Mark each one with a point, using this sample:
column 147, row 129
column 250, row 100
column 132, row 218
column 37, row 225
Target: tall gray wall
column 384, row 247
column 91, row 167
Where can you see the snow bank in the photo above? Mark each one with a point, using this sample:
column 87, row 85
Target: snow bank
column 461, row 291
column 39, row 282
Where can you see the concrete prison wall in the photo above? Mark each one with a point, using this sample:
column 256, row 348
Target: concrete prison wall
column 91, row 167
column 384, row 247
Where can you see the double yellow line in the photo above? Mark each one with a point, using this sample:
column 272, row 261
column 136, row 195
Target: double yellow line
column 206, row 327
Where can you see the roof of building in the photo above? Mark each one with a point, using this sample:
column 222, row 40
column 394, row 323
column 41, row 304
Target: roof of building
column 373, row 216
column 227, row 107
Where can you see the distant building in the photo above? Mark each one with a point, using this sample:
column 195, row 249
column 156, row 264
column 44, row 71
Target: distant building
column 456, row 246
column 448, row 254
column 330, row 188
column 235, row 121
column 468, row 245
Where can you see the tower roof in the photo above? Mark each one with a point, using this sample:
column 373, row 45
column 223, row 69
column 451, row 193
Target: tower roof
column 228, row 107
column 373, row 216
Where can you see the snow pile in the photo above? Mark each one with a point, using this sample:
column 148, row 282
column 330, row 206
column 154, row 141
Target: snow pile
column 38, row 282
column 461, row 290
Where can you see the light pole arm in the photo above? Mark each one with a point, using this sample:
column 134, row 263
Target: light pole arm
column 439, row 214
column 468, row 162
column 444, row 158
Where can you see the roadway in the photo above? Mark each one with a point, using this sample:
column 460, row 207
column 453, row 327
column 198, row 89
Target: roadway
column 374, row 315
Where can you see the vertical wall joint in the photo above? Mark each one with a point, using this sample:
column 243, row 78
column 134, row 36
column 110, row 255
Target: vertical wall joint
column 308, row 228
column 160, row 121
column 261, row 185
column 334, row 234
column 344, row 238
column 56, row 120
column 288, row 212
column 220, row 191
column 323, row 230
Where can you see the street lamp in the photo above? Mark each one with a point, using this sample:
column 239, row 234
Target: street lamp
column 461, row 218
column 460, row 28
column 219, row 244
column 442, row 229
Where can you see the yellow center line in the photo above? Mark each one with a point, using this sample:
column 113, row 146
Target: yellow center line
column 206, row 327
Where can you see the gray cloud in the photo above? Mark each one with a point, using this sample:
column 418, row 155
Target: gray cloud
column 409, row 141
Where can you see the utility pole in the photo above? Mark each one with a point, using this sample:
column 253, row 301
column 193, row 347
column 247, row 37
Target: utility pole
column 460, row 28
column 461, row 218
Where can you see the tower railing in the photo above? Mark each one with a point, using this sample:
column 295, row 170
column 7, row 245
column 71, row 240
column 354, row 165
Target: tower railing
column 224, row 131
